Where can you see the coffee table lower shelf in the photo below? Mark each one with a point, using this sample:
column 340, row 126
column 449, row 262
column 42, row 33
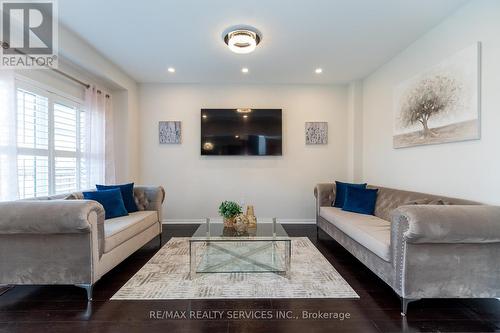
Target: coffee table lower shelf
column 239, row 256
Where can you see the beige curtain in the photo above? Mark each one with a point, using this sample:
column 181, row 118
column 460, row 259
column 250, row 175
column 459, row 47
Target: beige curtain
column 8, row 138
column 99, row 154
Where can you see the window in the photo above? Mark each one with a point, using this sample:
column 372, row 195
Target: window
column 50, row 143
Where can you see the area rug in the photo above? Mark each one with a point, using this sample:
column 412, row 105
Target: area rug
column 166, row 276
column 4, row 289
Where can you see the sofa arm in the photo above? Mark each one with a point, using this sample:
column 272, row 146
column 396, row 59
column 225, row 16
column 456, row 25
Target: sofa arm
column 449, row 223
column 150, row 198
column 50, row 241
column 325, row 194
column 48, row 216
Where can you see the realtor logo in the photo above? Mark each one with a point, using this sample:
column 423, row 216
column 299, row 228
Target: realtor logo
column 29, row 34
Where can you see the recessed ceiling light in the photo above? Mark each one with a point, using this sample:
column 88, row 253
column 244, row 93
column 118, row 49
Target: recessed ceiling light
column 318, row 71
column 244, row 70
column 171, row 70
column 242, row 40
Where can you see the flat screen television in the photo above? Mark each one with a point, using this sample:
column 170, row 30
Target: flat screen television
column 241, row 132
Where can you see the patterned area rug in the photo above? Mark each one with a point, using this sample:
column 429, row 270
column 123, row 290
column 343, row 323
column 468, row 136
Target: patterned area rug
column 166, row 276
column 4, row 289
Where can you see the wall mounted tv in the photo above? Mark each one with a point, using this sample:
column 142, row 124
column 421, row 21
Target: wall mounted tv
column 241, row 132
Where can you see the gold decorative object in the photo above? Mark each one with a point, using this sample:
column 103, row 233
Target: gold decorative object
column 240, row 219
column 229, row 222
column 250, row 211
column 229, row 231
column 240, row 224
column 252, row 220
column 241, row 229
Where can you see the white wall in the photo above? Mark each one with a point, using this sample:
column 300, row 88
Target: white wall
column 277, row 186
column 355, row 131
column 465, row 169
column 125, row 99
column 51, row 79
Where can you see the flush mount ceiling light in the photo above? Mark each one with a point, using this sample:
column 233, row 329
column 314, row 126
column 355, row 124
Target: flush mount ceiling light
column 244, row 110
column 243, row 40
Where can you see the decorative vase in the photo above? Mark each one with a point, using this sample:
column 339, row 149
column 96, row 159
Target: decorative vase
column 240, row 219
column 229, row 222
column 229, row 232
column 241, row 228
column 252, row 220
column 250, row 211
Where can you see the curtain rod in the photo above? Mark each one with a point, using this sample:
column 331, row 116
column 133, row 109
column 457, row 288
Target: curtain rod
column 6, row 45
column 72, row 78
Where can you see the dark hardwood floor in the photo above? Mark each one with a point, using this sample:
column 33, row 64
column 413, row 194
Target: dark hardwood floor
column 65, row 309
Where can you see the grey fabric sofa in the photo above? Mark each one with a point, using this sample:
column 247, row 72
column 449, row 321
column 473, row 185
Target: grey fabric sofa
column 53, row 240
column 449, row 250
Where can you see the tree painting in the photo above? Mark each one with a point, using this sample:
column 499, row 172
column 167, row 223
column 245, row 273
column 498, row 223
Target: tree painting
column 429, row 97
column 439, row 104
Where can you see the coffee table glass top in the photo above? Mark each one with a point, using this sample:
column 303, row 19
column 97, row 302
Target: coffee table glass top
column 262, row 231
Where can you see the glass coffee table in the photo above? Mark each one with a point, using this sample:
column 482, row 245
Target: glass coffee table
column 214, row 248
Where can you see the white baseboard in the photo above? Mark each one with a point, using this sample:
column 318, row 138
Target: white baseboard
column 183, row 221
column 219, row 220
column 297, row 221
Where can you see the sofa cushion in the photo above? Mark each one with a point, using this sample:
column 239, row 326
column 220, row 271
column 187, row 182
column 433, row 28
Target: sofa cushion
column 120, row 229
column 341, row 192
column 360, row 200
column 368, row 230
column 127, row 191
column 111, row 200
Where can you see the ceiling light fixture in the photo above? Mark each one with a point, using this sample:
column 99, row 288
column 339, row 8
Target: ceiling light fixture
column 242, row 41
column 244, row 70
column 171, row 70
column 318, row 71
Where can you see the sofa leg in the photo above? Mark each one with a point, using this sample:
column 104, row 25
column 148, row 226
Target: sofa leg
column 88, row 288
column 404, row 305
column 161, row 242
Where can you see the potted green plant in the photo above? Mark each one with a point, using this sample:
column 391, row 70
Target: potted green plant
column 229, row 210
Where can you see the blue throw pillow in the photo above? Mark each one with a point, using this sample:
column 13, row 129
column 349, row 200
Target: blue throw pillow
column 111, row 200
column 127, row 194
column 341, row 189
column 360, row 200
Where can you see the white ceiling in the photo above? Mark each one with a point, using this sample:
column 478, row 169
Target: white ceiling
column 349, row 39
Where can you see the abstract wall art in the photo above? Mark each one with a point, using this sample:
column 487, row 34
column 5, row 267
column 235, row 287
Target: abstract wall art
column 169, row 132
column 316, row 133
